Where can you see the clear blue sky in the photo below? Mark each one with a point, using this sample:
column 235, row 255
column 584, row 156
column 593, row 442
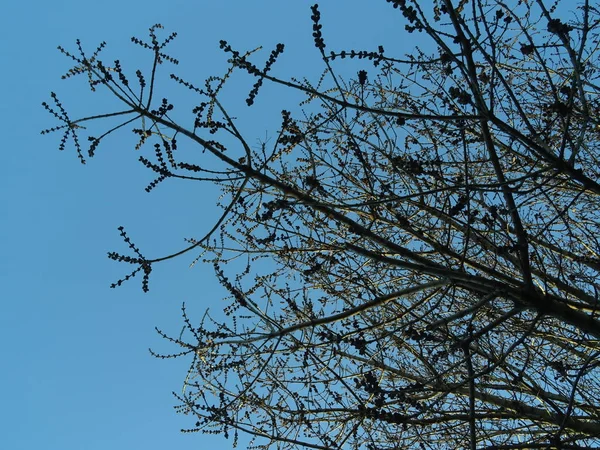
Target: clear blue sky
column 76, row 371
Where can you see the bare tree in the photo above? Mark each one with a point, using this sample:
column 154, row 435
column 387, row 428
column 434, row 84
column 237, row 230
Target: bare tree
column 430, row 225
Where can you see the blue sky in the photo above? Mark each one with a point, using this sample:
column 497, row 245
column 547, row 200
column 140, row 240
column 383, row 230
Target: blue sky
column 77, row 373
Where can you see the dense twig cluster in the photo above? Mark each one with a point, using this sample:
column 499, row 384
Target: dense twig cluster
column 431, row 228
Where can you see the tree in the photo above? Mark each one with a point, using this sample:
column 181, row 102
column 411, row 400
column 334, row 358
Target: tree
column 430, row 225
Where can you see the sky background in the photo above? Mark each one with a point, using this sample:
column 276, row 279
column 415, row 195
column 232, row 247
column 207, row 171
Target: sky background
column 76, row 370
